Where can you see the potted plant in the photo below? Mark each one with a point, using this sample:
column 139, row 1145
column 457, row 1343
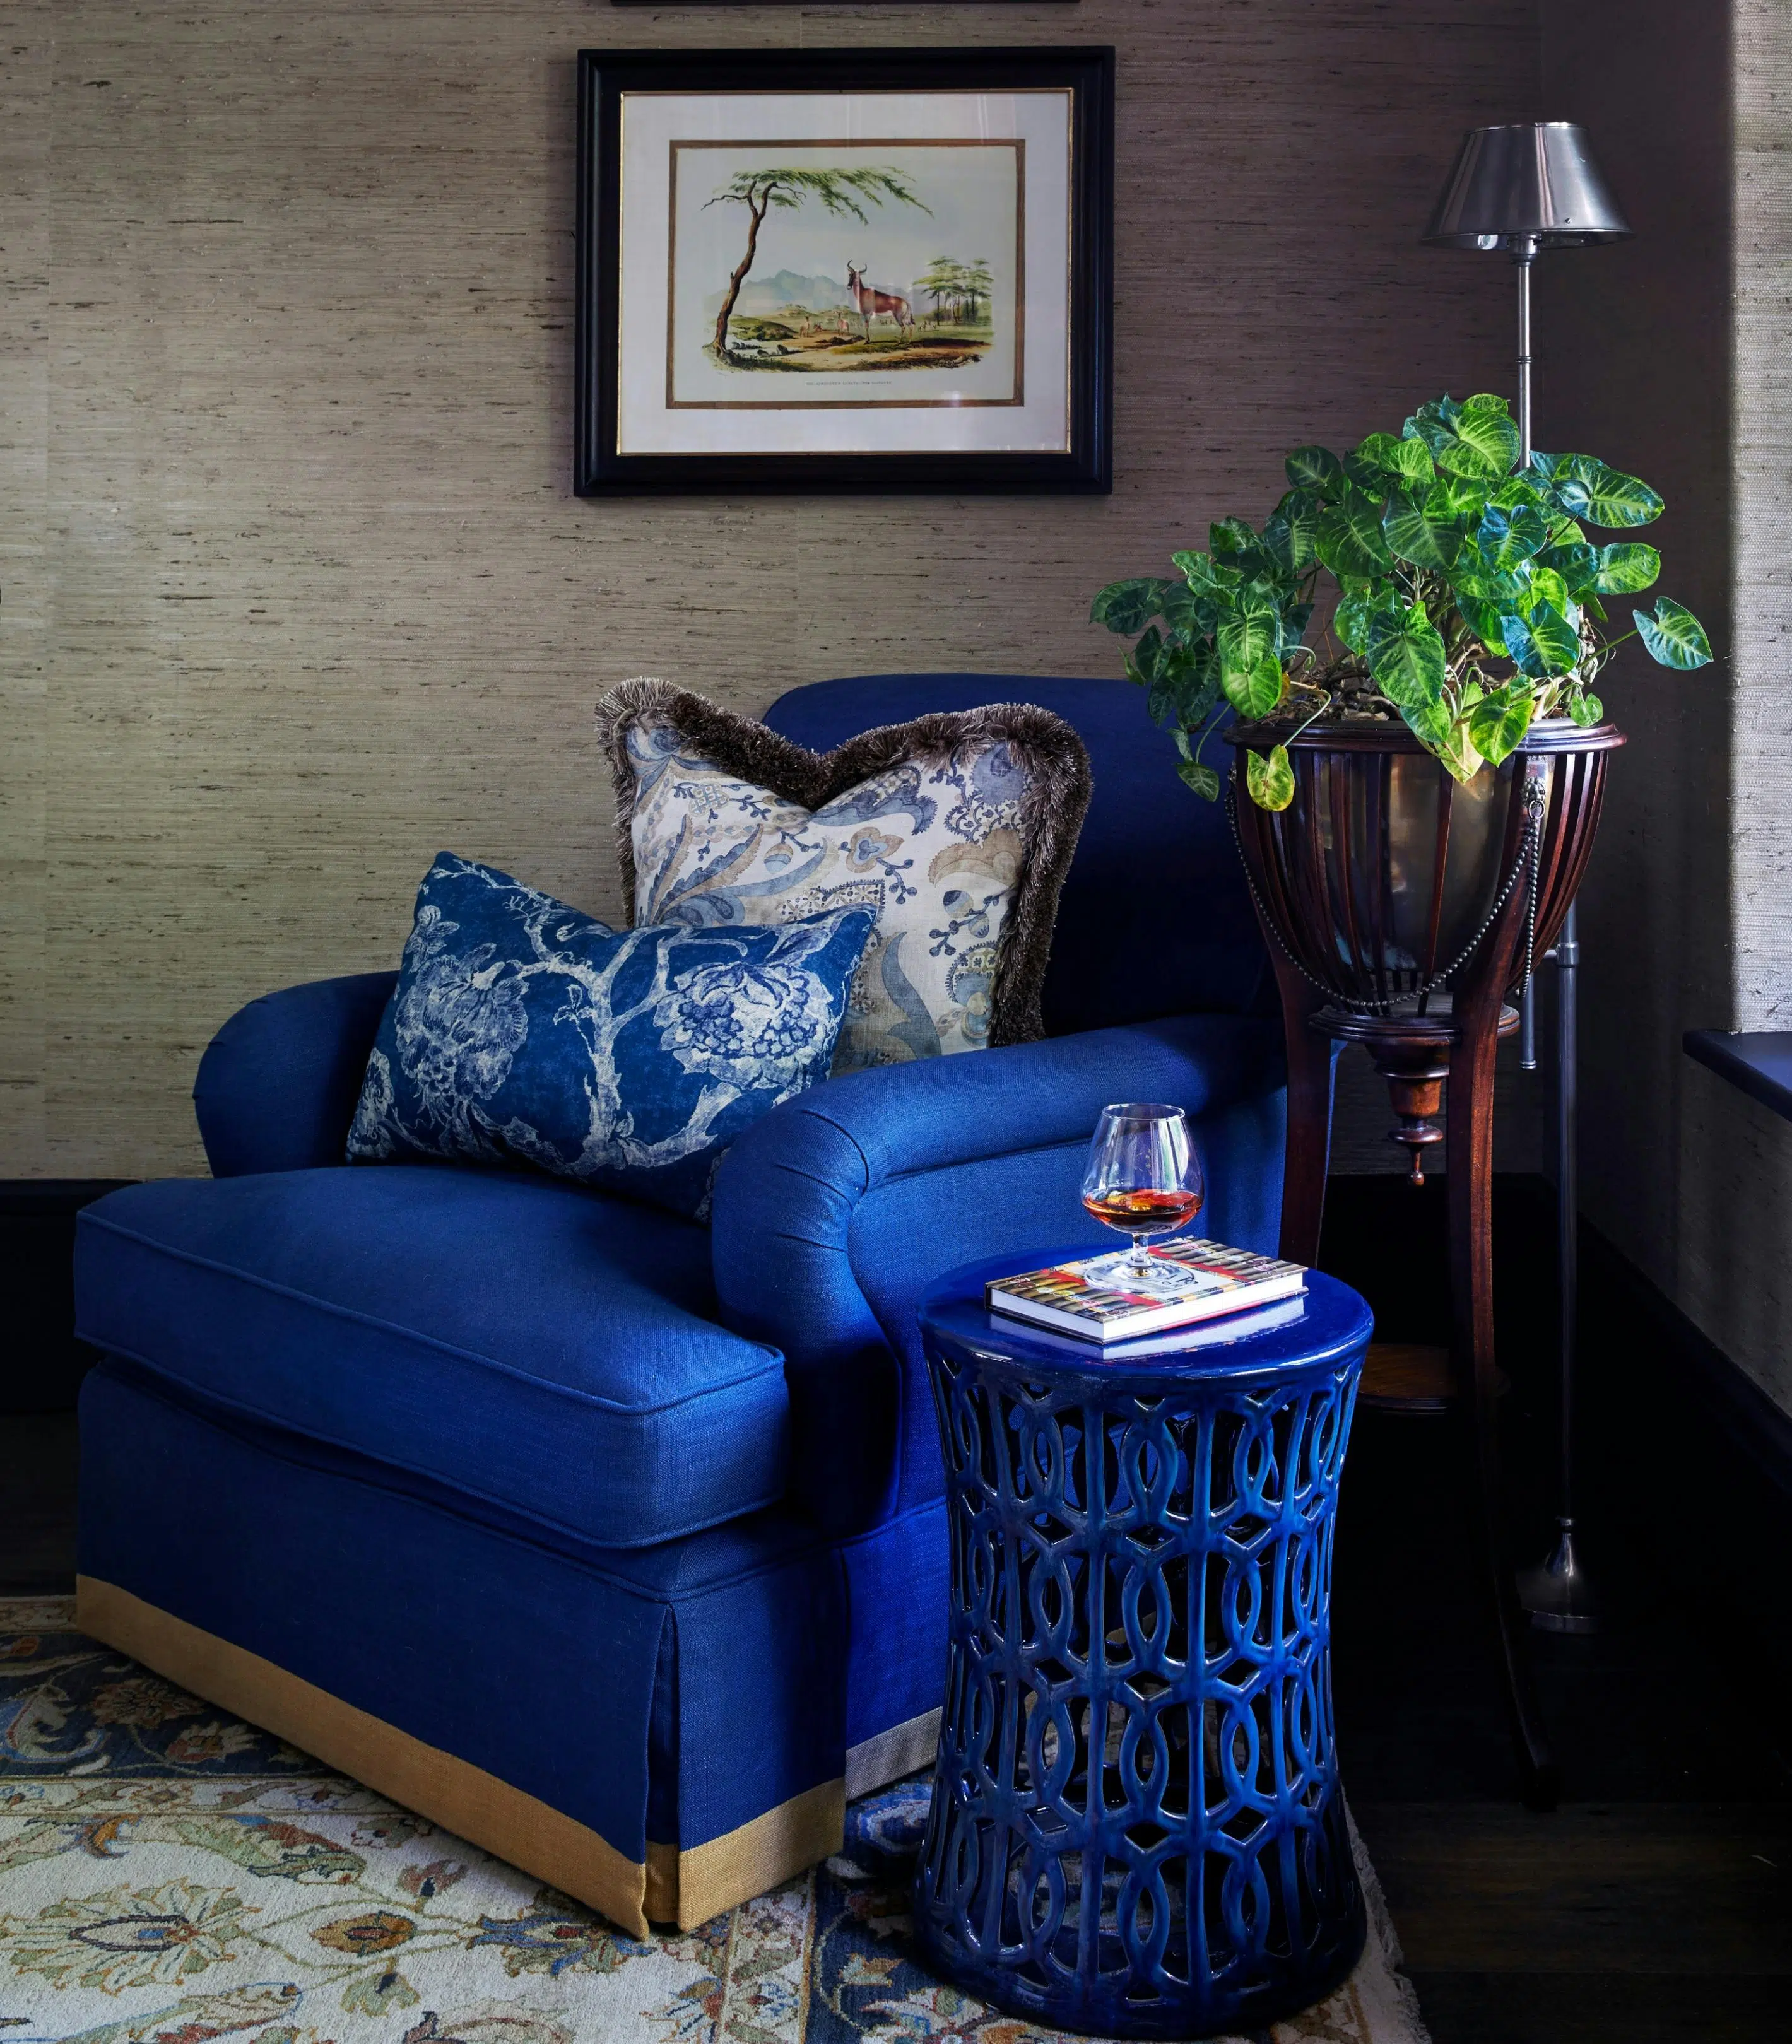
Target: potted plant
column 1463, row 628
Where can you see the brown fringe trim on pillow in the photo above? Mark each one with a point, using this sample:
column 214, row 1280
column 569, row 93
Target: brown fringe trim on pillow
column 1052, row 811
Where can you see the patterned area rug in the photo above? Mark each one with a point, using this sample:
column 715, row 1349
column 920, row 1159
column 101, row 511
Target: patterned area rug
column 170, row 1876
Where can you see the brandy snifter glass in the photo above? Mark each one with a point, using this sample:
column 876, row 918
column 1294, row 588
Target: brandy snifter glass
column 1143, row 1177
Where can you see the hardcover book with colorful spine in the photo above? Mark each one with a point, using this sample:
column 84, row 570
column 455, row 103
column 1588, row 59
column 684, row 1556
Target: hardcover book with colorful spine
column 1101, row 1298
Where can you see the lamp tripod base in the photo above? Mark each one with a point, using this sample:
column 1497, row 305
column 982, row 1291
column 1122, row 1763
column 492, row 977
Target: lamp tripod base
column 1557, row 1593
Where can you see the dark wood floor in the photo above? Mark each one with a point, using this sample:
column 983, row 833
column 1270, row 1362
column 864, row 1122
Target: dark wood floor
column 1657, row 1903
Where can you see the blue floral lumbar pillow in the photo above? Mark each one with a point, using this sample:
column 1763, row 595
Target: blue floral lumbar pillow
column 522, row 1032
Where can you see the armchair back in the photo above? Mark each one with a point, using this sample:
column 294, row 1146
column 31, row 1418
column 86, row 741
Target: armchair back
column 1155, row 919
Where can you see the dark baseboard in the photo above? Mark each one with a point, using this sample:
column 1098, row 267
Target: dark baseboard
column 1745, row 1414
column 41, row 1363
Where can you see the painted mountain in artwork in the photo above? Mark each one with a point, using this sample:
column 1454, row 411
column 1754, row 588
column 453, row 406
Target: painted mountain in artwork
column 762, row 297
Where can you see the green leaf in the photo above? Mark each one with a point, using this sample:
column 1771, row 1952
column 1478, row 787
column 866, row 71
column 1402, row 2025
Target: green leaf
column 1483, row 619
column 1295, row 619
column 1204, row 575
column 1586, row 709
column 1429, row 720
column 1506, row 538
column 1290, row 530
column 1672, row 635
column 1481, row 442
column 1141, row 662
column 1519, row 489
column 1191, row 613
column 1129, row 607
column 1455, row 747
column 1497, row 723
column 1256, row 691
column 1266, row 592
column 1543, row 584
column 1247, row 637
column 1577, row 565
column 1192, row 673
column 1586, row 488
column 1544, row 645
column 1317, row 469
column 1269, row 777
column 1404, row 459
column 1350, row 538
column 1626, row 566
column 1556, row 636
column 1473, row 577
column 1433, row 424
column 1232, row 536
column 1416, row 534
column 1458, row 497
column 1204, row 781
column 1406, row 658
column 1184, row 685
column 1354, row 614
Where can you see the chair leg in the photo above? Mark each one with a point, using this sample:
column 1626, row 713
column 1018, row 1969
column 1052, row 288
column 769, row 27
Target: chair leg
column 1470, row 1168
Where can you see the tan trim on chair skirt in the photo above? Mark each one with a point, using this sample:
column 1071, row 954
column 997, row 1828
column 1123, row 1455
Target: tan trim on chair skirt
column 687, row 1887
column 756, row 1856
column 902, row 1749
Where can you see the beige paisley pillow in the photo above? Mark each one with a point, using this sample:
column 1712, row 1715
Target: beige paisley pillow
column 957, row 829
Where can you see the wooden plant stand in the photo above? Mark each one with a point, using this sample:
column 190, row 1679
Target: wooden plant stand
column 1333, row 876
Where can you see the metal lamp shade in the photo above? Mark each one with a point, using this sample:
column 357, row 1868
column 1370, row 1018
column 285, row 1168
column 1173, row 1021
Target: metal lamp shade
column 1534, row 182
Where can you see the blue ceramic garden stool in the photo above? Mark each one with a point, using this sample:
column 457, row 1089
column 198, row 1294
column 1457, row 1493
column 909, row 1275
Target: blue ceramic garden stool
column 1137, row 1828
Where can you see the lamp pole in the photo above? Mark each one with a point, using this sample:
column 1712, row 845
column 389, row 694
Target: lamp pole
column 1524, row 254
column 1556, row 1592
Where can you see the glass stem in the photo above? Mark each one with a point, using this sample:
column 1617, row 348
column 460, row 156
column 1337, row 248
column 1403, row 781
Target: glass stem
column 1140, row 1261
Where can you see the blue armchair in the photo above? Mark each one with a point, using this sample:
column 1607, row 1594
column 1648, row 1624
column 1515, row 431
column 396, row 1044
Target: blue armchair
column 614, row 1543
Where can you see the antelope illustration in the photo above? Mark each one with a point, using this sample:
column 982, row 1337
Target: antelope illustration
column 873, row 302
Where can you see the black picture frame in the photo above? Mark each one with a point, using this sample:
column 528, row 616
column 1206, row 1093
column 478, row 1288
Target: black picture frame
column 1084, row 467
column 663, row 4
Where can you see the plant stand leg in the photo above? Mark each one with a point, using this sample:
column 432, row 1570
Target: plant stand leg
column 1312, row 1059
column 1469, row 1163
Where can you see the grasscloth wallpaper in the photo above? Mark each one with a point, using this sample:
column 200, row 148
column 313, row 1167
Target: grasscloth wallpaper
column 1670, row 353
column 292, row 588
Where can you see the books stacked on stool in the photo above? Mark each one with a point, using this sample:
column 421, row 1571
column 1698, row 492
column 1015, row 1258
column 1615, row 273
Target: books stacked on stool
column 1106, row 1298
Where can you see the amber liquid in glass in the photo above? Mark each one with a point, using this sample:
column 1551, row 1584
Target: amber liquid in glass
column 1144, row 1212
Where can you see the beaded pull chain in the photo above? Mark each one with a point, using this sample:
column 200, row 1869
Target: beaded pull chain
column 1526, row 862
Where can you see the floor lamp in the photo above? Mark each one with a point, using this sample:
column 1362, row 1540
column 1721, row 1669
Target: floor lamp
column 1520, row 189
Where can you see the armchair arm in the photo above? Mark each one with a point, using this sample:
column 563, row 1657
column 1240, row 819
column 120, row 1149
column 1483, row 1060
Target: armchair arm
column 833, row 1216
column 277, row 1087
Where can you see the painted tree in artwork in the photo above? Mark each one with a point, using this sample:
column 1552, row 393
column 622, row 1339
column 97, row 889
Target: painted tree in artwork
column 980, row 284
column 842, row 193
column 943, row 280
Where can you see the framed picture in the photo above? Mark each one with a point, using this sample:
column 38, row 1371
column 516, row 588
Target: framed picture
column 846, row 270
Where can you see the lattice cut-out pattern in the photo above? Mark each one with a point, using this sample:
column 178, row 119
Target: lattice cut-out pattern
column 1137, row 1826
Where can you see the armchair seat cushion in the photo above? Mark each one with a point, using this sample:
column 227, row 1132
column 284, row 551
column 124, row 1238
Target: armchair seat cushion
column 546, row 1349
